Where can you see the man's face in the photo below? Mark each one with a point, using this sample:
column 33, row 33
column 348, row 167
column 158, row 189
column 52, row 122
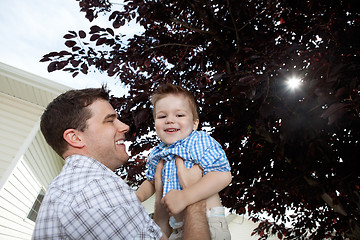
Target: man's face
column 174, row 119
column 104, row 135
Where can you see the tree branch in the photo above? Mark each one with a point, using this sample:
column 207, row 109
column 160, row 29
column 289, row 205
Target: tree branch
column 337, row 207
column 326, row 197
column 236, row 31
column 191, row 28
column 170, row 44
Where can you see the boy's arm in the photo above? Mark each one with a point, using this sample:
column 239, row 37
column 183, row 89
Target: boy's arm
column 146, row 190
column 208, row 185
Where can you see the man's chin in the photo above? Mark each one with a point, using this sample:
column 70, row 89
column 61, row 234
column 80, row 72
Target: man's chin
column 125, row 159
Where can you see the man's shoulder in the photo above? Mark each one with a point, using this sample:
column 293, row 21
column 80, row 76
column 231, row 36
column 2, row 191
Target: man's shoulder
column 79, row 172
column 84, row 188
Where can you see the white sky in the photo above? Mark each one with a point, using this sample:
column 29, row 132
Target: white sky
column 31, row 28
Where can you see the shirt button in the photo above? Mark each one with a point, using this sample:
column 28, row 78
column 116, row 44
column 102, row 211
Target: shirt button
column 168, row 180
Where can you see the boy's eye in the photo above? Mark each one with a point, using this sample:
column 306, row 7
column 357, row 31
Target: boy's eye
column 161, row 116
column 180, row 115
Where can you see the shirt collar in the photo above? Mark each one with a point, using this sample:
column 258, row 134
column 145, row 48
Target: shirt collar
column 78, row 160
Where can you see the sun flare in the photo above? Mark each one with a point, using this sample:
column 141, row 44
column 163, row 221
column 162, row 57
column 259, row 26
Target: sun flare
column 293, row 83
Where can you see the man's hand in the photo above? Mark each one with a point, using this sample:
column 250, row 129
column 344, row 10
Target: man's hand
column 175, row 200
column 158, row 178
column 187, row 177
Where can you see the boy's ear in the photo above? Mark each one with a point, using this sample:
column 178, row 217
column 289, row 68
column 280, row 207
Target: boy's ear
column 196, row 124
column 73, row 138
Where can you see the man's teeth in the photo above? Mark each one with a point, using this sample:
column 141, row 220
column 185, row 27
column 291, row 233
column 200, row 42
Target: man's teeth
column 119, row 142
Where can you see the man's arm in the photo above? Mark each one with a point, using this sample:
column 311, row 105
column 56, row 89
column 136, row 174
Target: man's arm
column 196, row 226
column 161, row 216
column 210, row 184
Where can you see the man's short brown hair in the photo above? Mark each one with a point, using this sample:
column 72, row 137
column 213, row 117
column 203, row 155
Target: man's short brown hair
column 68, row 111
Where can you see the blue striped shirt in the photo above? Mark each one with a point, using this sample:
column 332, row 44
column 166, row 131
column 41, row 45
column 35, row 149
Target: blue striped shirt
column 198, row 148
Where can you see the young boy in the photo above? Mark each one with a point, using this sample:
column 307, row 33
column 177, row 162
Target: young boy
column 176, row 120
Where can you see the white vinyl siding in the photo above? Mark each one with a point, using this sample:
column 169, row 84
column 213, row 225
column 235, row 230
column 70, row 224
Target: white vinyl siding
column 17, row 119
column 42, row 161
column 27, row 163
column 35, row 170
column 15, row 201
column 27, row 86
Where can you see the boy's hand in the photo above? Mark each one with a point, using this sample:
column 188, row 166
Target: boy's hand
column 175, row 202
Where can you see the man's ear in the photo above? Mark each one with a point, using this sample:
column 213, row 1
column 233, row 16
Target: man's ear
column 73, row 138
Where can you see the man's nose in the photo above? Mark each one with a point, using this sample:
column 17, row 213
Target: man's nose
column 122, row 127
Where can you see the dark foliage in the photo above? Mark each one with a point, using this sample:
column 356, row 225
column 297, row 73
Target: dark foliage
column 289, row 149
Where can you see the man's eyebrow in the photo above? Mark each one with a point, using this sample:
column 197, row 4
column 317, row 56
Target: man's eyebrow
column 111, row 116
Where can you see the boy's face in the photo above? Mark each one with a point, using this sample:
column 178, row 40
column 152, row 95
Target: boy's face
column 174, row 118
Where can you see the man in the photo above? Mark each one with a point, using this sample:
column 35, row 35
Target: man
column 88, row 200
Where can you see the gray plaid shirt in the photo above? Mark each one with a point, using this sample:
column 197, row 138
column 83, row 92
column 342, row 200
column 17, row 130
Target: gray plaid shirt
column 89, row 201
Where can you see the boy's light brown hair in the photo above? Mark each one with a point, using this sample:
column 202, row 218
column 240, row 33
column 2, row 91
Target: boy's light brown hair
column 168, row 89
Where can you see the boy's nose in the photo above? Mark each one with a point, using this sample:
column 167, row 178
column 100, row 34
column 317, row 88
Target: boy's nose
column 169, row 120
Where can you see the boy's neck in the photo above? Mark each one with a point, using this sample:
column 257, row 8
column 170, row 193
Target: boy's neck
column 167, row 145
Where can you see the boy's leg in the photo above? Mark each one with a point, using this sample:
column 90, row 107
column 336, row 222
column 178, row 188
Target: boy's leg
column 219, row 229
column 177, row 234
column 218, row 226
column 178, row 229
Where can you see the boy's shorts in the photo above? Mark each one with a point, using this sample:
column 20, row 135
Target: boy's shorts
column 218, row 226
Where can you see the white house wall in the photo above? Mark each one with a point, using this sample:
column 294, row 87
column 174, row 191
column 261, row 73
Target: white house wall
column 27, row 163
column 16, row 200
column 43, row 161
column 17, row 119
column 35, row 170
column 27, row 86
